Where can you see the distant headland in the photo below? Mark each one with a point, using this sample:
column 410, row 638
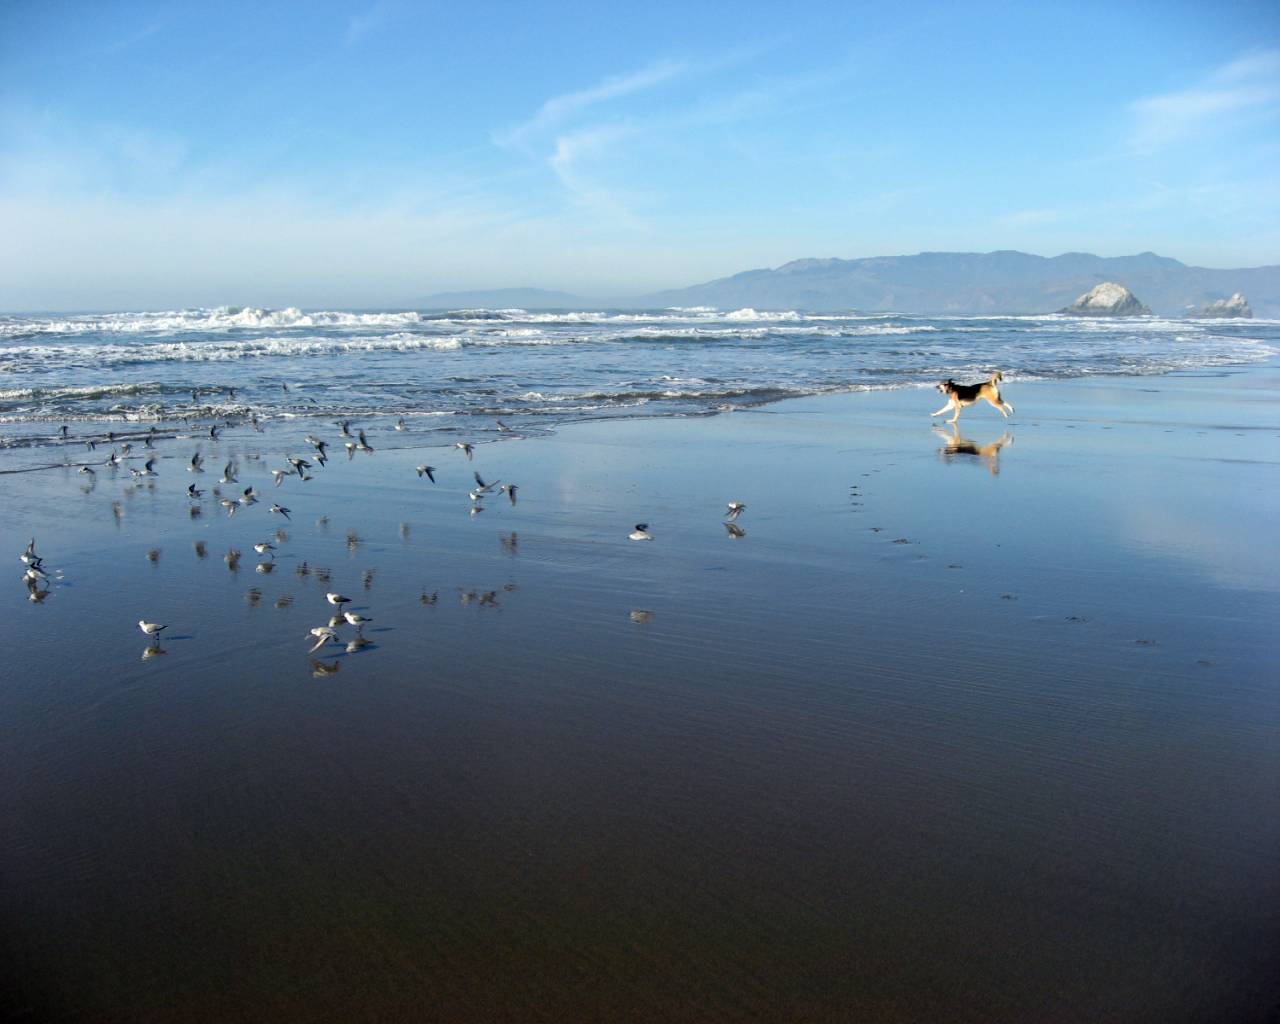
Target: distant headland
column 932, row 282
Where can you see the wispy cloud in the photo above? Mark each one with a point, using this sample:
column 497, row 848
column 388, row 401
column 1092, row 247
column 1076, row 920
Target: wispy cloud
column 559, row 109
column 581, row 137
column 361, row 25
column 1244, row 92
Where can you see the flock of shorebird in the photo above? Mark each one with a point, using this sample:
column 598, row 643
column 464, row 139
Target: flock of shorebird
column 35, row 575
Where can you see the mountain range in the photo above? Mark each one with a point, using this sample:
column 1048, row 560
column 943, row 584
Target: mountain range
column 1005, row 281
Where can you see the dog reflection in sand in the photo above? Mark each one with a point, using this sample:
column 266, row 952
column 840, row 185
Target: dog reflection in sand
column 961, row 396
column 957, row 445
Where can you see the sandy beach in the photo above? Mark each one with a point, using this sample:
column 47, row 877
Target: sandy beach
column 975, row 726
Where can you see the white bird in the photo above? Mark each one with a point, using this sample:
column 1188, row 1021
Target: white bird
column 641, row 532
column 280, row 474
column 323, row 635
column 337, row 599
column 511, row 491
column 196, row 459
column 467, row 448
column 229, row 474
column 400, row 424
column 735, row 508
column 364, row 444
column 351, row 449
column 86, row 469
column 346, row 429
column 35, row 573
column 475, row 496
column 430, row 471
column 148, row 467
column 193, row 492
column 265, row 548
column 152, row 629
column 356, row 619
column 281, row 510
column 29, row 556
column 502, row 426
column 230, row 506
column 298, row 464
column 314, row 441
column 481, row 486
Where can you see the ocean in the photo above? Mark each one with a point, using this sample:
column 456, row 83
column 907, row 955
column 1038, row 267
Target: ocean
column 458, row 369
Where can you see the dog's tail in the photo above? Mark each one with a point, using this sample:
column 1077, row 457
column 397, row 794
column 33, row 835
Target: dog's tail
column 997, row 377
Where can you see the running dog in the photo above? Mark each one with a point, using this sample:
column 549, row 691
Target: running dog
column 962, row 396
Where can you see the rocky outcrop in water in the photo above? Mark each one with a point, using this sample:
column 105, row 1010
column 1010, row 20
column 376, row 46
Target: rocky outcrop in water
column 1108, row 299
column 1237, row 305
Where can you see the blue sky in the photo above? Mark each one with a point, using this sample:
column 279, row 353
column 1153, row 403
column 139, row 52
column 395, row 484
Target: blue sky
column 155, row 155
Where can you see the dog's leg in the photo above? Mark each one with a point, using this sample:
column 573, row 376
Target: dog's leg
column 956, row 416
column 943, row 409
column 998, row 402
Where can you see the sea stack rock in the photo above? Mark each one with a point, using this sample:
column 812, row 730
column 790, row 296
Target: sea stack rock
column 1109, row 299
column 1234, row 306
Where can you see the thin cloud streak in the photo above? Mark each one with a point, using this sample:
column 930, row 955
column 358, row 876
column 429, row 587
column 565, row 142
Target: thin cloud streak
column 1245, row 91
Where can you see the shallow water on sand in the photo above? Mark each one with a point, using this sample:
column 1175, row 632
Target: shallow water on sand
column 950, row 732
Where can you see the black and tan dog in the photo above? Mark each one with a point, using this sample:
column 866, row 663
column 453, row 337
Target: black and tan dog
column 962, row 396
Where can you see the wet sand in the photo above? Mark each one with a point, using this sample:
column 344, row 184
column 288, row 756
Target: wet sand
column 944, row 735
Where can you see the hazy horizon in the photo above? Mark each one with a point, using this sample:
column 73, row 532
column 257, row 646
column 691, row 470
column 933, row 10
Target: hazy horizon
column 160, row 156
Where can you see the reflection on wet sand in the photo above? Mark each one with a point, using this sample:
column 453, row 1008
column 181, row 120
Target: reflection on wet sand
column 957, row 445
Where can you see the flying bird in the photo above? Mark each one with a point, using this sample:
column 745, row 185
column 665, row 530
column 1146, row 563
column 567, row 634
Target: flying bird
column 641, row 532
column 467, row 448
column 323, row 635
column 481, row 486
column 430, row 471
column 281, row 510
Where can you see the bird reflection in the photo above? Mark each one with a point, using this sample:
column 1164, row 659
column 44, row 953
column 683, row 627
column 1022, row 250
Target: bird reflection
column 319, row 669
column 154, row 651
column 736, row 532
column 642, row 617
column 957, row 445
